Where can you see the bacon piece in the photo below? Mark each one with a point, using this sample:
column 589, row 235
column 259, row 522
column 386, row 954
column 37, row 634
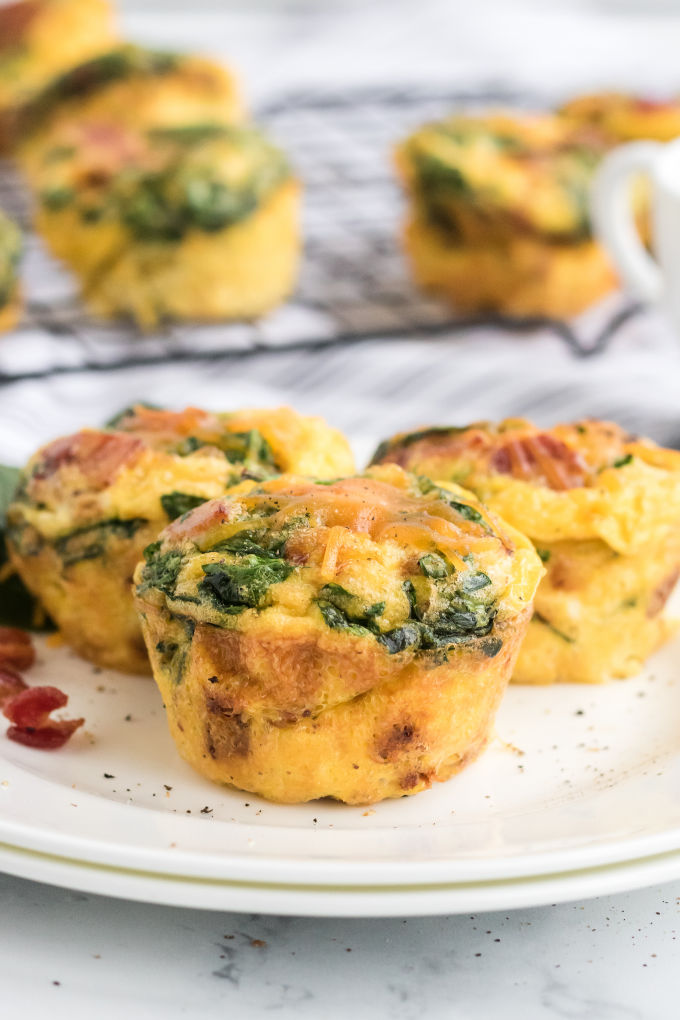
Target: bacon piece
column 29, row 713
column 541, row 458
column 98, row 455
column 15, row 20
column 16, row 649
column 647, row 105
column 11, row 684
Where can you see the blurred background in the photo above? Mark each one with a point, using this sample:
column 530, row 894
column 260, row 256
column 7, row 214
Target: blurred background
column 559, row 45
column 412, row 364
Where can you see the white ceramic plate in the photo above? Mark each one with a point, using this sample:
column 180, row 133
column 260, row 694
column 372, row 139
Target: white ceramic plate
column 341, row 901
column 579, row 780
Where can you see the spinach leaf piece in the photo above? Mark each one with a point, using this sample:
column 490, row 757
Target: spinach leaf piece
column 474, row 581
column 623, row 461
column 409, row 635
column 175, row 504
column 351, row 606
column 466, row 511
column 9, row 481
column 161, row 569
column 491, row 647
column 90, row 542
column 244, row 583
column 18, row 607
column 558, row 633
column 434, row 565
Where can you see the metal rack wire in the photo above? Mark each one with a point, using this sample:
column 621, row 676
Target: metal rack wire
column 354, row 284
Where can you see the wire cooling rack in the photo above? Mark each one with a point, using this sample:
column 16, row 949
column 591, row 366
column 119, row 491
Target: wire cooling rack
column 354, row 284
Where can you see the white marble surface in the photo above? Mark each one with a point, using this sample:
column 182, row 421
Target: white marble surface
column 77, row 957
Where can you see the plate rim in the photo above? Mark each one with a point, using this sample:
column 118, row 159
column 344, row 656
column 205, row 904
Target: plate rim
column 340, row 901
column 315, row 870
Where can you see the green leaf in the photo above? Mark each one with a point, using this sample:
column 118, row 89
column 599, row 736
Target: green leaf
column 623, row 461
column 89, row 543
column 244, row 583
column 474, row 581
column 18, row 607
column 161, row 569
column 434, row 565
column 401, row 638
column 9, row 480
column 546, row 623
column 176, row 504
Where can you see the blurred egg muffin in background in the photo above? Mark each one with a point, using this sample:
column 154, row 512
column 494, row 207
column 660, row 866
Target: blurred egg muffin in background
column 88, row 504
column 193, row 222
column 10, row 255
column 349, row 639
column 39, row 39
column 602, row 508
column 625, row 117
column 498, row 213
column 128, row 85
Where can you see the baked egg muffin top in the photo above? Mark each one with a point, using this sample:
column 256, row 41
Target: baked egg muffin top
column 134, row 85
column 625, row 117
column 152, row 465
column 161, row 184
column 39, row 37
column 515, row 172
column 587, row 479
column 384, row 556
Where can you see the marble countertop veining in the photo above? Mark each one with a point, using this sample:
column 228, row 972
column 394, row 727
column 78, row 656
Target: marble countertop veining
column 74, row 956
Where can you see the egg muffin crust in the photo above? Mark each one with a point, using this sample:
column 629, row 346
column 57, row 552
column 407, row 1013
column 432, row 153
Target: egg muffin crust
column 193, row 222
column 39, row 39
column 127, row 85
column 625, row 117
column 349, row 639
column 88, row 504
column 602, row 509
column 10, row 255
column 498, row 214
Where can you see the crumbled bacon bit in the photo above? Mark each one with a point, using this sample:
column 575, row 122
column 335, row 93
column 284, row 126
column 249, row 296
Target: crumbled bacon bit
column 14, row 22
column 16, row 649
column 29, row 713
column 541, row 457
column 11, row 684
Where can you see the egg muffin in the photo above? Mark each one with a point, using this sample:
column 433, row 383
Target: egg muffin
column 10, row 254
column 88, row 504
column 348, row 640
column 602, row 508
column 128, row 85
column 498, row 215
column 196, row 222
column 39, row 39
column 625, row 117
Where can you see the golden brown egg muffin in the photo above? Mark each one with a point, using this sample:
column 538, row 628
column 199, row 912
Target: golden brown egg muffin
column 602, row 508
column 498, row 217
column 625, row 117
column 128, row 85
column 39, row 39
column 10, row 255
column 348, row 640
column 198, row 222
column 88, row 505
